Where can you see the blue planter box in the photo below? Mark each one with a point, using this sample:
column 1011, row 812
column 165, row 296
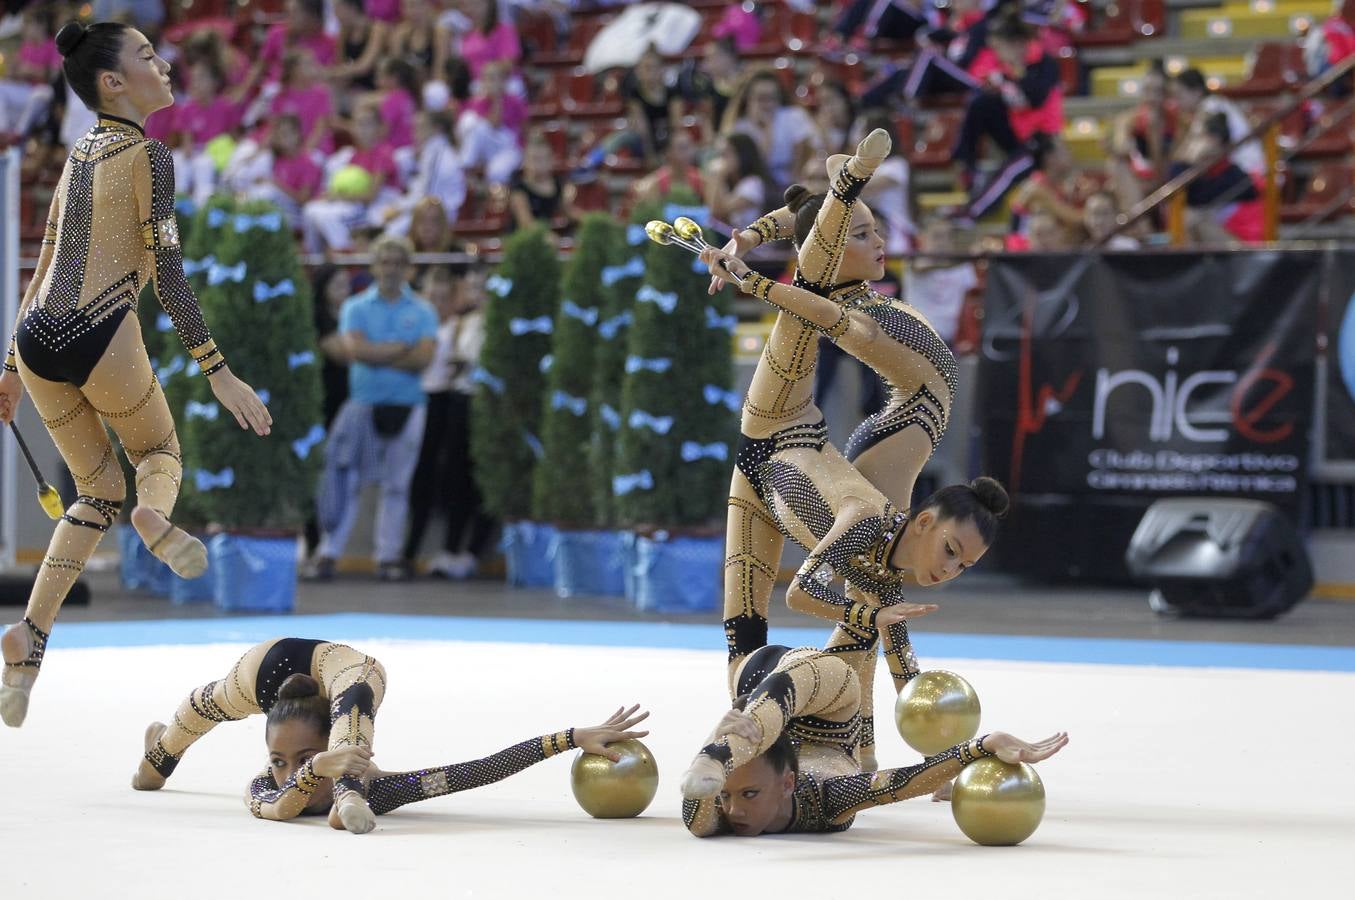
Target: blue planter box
column 185, row 591
column 529, row 553
column 681, row 574
column 253, row 574
column 138, row 570
column 589, row 563
column 630, row 565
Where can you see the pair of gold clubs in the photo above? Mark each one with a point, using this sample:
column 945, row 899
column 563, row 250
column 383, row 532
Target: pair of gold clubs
column 683, row 233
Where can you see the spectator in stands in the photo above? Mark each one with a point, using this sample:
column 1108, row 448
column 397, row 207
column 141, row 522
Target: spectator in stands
column 1139, row 145
column 418, row 40
column 361, row 42
column 443, row 479
column 430, row 228
column 1099, row 218
column 1044, row 234
column 938, row 284
column 711, row 83
column 783, row 132
column 196, row 123
column 679, row 167
column 739, row 23
column 653, row 112
column 305, row 96
column 887, row 193
column 833, row 119
column 359, row 179
column 897, row 20
column 488, row 39
column 735, row 184
column 141, row 13
column 1047, row 188
column 945, row 55
column 1223, row 205
column 1329, row 45
column 536, row 194
column 304, row 29
column 450, row 92
column 397, row 83
column 26, row 90
column 330, row 286
column 279, row 171
column 1020, row 97
column 1197, row 105
column 389, row 333
column 491, row 125
column 439, row 172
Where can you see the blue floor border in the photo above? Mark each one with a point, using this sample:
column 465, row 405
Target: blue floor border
column 357, row 627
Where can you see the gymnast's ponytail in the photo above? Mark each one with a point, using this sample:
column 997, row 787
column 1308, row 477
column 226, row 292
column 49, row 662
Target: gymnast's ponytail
column 983, row 501
column 299, row 698
column 87, row 52
column 806, row 207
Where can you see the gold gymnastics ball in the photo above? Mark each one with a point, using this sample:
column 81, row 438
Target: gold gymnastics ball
column 659, row 232
column 997, row 804
column 935, row 711
column 615, row 790
column 350, row 181
column 687, row 229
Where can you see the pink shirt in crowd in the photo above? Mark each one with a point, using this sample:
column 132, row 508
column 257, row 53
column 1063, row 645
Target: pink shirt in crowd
column 380, row 161
column 310, row 105
column 298, row 173
column 202, row 122
column 278, row 42
column 397, row 109
column 514, row 112
column 479, row 50
column 40, row 55
column 741, row 25
column 385, row 10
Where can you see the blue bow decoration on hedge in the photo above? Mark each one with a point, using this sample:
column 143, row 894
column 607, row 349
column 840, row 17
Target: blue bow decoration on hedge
column 546, row 362
column 715, row 394
column 639, row 363
column 541, row 324
column 194, row 266
column 207, row 481
column 217, row 273
column 297, row 360
column 692, row 451
column 216, row 217
column 268, row 221
column 263, row 293
column 641, row 419
column 609, row 328
column 264, row 395
column 699, row 267
column 715, row 320
column 303, row 445
column 560, row 400
column 163, row 322
column 480, row 375
column 624, row 484
column 185, row 206
column 698, row 214
column 498, row 285
column 632, row 269
column 636, row 235
column 534, row 443
column 173, row 367
column 610, row 416
column 664, row 301
column 588, row 316
column 196, row 410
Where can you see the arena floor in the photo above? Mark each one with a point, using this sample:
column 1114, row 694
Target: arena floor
column 1167, row 789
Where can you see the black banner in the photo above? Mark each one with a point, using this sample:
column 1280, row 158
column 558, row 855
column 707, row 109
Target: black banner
column 1338, row 443
column 1111, row 381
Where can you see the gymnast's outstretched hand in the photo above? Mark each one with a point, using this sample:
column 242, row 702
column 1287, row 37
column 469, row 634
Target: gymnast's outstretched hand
column 902, row 612
column 722, row 263
column 743, row 240
column 596, row 739
column 241, row 401
column 1013, row 750
column 11, row 392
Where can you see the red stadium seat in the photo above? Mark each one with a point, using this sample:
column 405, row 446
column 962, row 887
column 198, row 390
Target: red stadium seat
column 934, row 148
column 585, row 98
column 1274, row 67
column 1333, row 181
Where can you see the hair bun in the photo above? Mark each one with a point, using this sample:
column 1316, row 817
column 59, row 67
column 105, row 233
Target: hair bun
column 298, row 686
column 991, row 494
column 796, row 195
column 69, row 37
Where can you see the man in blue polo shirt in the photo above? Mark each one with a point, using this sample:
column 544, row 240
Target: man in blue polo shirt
column 389, row 332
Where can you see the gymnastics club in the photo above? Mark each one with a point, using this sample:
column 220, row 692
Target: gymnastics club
column 663, row 233
column 47, row 495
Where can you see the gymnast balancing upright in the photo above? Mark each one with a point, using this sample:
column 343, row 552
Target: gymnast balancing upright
column 789, row 481
column 785, row 759
column 78, row 350
column 321, row 700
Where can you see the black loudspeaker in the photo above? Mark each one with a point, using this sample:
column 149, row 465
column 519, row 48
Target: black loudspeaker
column 14, row 591
column 1219, row 558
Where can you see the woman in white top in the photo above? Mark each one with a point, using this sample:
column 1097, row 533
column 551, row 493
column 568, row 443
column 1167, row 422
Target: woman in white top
column 783, row 132
column 735, row 184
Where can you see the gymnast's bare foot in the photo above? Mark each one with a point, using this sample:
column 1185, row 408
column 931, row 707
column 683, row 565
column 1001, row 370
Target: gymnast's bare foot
column 173, row 546
column 146, row 778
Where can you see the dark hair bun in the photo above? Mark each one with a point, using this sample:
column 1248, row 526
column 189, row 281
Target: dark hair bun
column 796, row 196
column 298, row 686
column 991, row 494
column 69, row 37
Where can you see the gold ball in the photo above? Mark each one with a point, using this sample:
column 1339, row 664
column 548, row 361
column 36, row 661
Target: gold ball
column 615, row 790
column 686, row 228
column 997, row 804
column 935, row 711
column 659, row 232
